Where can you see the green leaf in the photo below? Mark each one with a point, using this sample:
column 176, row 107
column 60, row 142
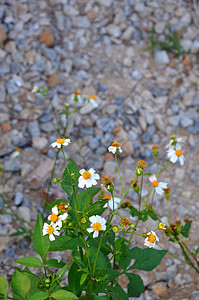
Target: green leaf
column 96, row 208
column 185, row 230
column 4, row 287
column 117, row 293
column 17, row 233
column 149, row 260
column 29, row 261
column 20, row 284
column 39, row 296
column 74, row 278
column 55, row 263
column 135, row 286
column 101, row 261
column 62, row 272
column 85, row 197
column 112, row 274
column 67, row 181
column 62, row 294
column 83, row 278
column 65, row 242
column 41, row 243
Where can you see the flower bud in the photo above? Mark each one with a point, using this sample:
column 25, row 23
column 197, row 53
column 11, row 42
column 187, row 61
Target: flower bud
column 155, row 150
column 132, row 225
column 115, row 229
column 83, row 220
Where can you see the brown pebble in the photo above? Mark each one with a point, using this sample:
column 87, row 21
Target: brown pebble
column 53, row 80
column 108, row 156
column 3, row 35
column 5, row 127
column 91, row 14
column 160, row 290
column 46, row 37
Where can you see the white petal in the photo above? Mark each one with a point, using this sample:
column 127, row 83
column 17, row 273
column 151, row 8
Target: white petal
column 55, row 210
column 152, row 178
column 112, row 149
column 93, row 182
column 163, row 185
column 44, row 231
column 103, row 227
column 45, row 226
column 170, row 153
column 95, row 234
column 90, row 230
column 103, row 221
column 91, row 170
column 88, row 183
column 92, row 219
column 81, row 182
column 181, row 159
column 49, row 217
column 58, row 145
column 56, row 232
column 178, row 147
column 51, row 237
column 82, row 171
column 105, row 205
column 159, row 190
column 54, row 144
column 98, row 219
column 174, row 158
column 59, row 223
column 63, row 217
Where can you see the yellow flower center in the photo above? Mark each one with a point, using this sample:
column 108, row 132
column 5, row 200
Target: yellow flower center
column 151, row 238
column 77, row 93
column 54, row 218
column 92, row 97
column 50, row 229
column 161, row 226
column 97, row 226
column 155, row 183
column 60, row 140
column 18, row 149
column 178, row 152
column 86, row 175
column 115, row 144
column 107, row 197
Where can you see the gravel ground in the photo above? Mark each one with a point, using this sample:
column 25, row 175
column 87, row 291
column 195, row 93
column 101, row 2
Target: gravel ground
column 97, row 47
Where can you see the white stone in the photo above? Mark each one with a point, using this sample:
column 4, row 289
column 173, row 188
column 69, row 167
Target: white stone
column 161, row 57
column 39, row 143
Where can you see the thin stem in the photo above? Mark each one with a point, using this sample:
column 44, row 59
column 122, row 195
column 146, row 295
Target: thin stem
column 96, row 258
column 140, row 194
column 65, row 161
column 168, row 219
column 119, row 174
column 156, row 159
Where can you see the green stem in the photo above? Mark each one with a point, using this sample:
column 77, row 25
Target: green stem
column 168, row 219
column 156, row 159
column 119, row 174
column 65, row 161
column 140, row 194
column 96, row 258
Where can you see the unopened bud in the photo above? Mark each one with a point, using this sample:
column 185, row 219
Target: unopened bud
column 132, row 226
column 155, row 150
column 115, row 229
column 83, row 220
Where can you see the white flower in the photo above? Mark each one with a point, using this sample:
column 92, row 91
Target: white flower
column 151, row 239
column 77, row 97
column 162, row 226
column 159, row 186
column 175, row 155
column 16, row 153
column 87, row 178
column 110, row 203
column 114, row 147
column 61, row 142
column 55, row 219
column 97, row 224
column 35, row 89
column 51, row 230
column 92, row 100
column 176, row 143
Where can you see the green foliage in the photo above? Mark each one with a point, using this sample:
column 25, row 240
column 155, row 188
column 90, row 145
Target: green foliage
column 39, row 296
column 41, row 243
column 185, row 230
column 64, row 243
column 29, row 261
column 67, row 180
column 62, row 294
column 3, row 288
column 135, row 286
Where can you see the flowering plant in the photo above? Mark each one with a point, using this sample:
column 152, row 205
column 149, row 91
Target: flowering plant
column 101, row 246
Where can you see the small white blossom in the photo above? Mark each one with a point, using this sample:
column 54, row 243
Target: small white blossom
column 51, row 230
column 87, row 178
column 175, row 155
column 114, row 147
column 97, row 224
column 110, row 203
column 151, row 240
column 177, row 141
column 55, row 219
column 61, row 142
column 159, row 186
column 35, row 89
column 92, row 100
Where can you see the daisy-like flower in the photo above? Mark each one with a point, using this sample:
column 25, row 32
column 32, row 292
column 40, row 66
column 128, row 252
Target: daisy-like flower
column 61, row 142
column 55, row 219
column 162, row 226
column 16, row 153
column 151, row 239
column 159, row 186
column 77, row 97
column 174, row 143
column 97, row 224
column 63, row 206
column 87, row 178
column 115, row 147
column 51, row 230
column 125, row 222
column 175, row 155
column 110, row 202
column 92, row 100
column 35, row 89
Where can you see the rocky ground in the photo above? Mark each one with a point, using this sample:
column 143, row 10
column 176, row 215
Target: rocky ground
column 97, row 47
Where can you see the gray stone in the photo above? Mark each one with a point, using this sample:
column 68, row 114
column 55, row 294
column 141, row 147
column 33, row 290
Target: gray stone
column 17, row 107
column 70, row 11
column 82, row 64
column 172, row 271
column 101, row 150
column 186, row 121
column 46, row 118
column 81, row 22
column 106, row 3
column 19, row 196
column 11, row 86
column 193, row 129
column 5, row 219
column 159, row 91
column 101, row 88
column 127, row 33
column 159, row 123
column 161, row 57
column 24, row 212
column 179, row 280
column 194, row 295
column 33, row 128
column 174, row 120
column 95, row 161
column 2, row 93
column 10, row 165
column 86, row 131
column 94, row 143
column 113, row 30
column 137, row 74
column 39, row 143
column 48, row 127
column 148, row 134
column 105, row 124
